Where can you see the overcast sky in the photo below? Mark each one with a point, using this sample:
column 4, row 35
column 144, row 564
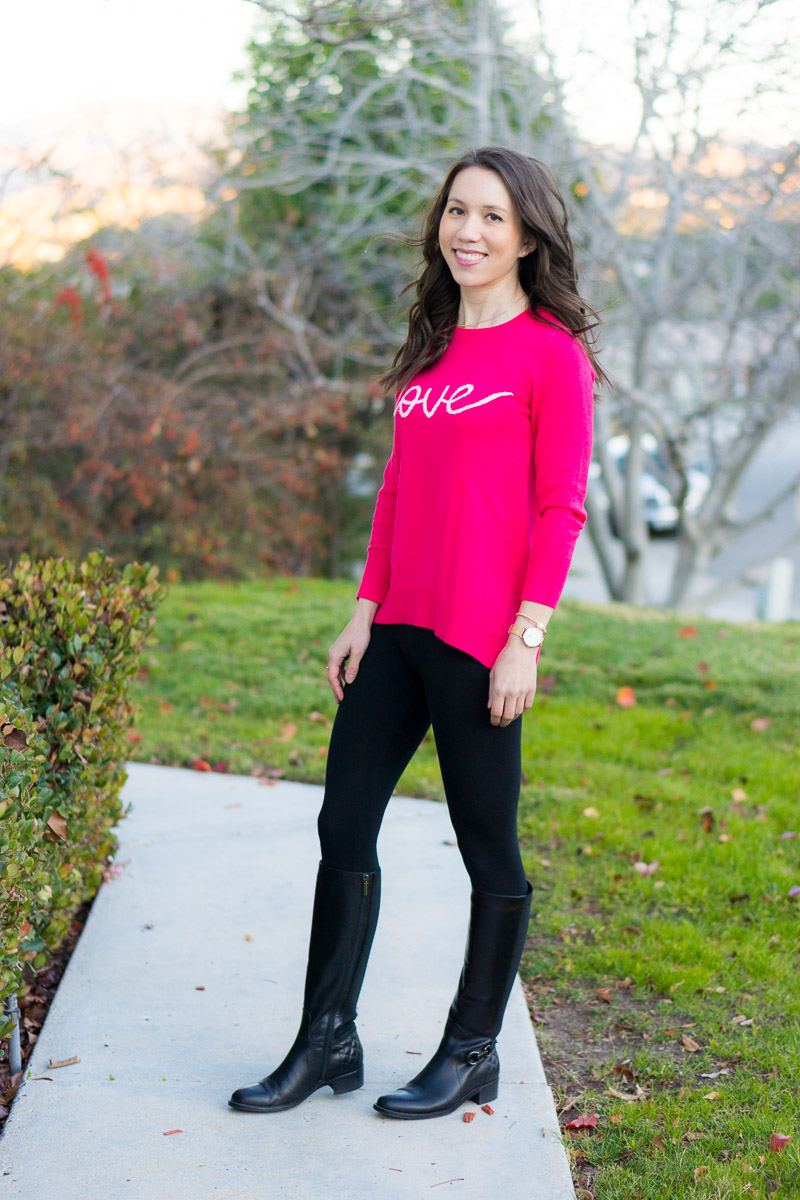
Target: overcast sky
column 55, row 54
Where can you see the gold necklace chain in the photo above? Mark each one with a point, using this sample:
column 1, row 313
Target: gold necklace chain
column 494, row 318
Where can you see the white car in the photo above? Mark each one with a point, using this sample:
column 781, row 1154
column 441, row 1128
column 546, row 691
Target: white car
column 658, row 509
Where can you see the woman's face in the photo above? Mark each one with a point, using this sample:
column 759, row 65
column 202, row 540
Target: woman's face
column 480, row 233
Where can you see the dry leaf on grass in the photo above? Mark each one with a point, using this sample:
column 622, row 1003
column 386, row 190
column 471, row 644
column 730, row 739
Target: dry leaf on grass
column 584, row 1121
column 707, row 819
column 640, row 1094
column 777, row 1141
column 643, row 868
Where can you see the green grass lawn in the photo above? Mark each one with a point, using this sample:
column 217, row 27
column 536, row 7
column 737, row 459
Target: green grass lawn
column 665, row 993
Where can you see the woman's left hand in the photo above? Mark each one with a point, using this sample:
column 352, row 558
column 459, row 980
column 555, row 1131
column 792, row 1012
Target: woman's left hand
column 512, row 682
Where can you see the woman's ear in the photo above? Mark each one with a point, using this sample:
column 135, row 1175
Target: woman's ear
column 528, row 248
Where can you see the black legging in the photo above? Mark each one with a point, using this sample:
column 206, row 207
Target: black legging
column 408, row 680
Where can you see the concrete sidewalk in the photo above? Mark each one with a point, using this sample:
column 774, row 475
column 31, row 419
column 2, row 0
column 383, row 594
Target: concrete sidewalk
column 215, row 894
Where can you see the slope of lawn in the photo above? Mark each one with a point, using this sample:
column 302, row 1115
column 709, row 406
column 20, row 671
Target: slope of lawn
column 660, row 824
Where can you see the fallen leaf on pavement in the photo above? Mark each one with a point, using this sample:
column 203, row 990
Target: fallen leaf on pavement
column 62, row 1062
column 469, row 1116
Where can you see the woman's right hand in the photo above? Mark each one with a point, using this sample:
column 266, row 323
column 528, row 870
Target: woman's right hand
column 344, row 656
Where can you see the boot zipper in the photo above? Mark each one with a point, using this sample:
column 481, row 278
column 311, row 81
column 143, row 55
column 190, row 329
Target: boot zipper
column 365, row 885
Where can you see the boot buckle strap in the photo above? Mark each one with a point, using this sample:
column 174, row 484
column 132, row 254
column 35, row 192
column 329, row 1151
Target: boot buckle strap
column 478, row 1054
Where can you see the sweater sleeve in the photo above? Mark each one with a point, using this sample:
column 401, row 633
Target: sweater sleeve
column 562, row 419
column 375, row 580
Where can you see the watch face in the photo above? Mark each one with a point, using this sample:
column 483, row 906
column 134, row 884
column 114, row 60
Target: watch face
column 533, row 637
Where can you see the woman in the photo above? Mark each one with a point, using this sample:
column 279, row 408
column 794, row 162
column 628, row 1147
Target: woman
column 472, row 537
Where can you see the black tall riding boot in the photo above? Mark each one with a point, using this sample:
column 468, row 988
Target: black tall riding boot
column 327, row 1050
column 466, row 1066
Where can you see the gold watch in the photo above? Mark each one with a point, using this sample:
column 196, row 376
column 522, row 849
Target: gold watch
column 531, row 635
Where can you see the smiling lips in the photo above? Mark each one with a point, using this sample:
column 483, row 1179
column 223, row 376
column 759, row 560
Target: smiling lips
column 467, row 257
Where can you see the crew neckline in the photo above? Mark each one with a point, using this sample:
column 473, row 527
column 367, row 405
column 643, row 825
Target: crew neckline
column 463, row 329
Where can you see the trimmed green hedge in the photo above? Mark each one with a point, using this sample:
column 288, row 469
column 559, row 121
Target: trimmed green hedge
column 70, row 634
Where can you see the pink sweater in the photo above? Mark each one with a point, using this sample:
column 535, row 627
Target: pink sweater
column 482, row 497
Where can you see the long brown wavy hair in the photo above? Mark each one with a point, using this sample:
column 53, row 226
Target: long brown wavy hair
column 548, row 274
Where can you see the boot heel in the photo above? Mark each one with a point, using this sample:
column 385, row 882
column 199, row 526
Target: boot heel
column 347, row 1083
column 486, row 1093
